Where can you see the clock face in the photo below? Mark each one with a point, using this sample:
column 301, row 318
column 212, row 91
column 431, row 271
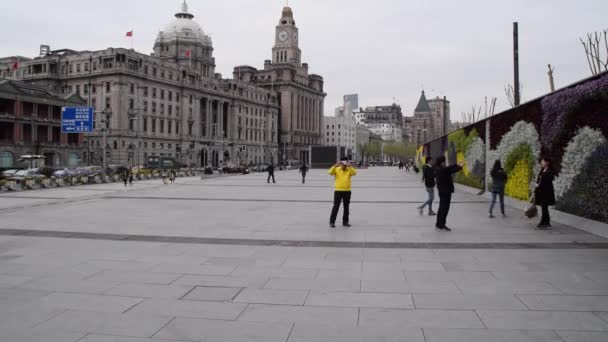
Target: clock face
column 283, row 36
column 295, row 36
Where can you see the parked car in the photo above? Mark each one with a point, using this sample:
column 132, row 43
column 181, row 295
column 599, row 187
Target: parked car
column 22, row 174
column 8, row 173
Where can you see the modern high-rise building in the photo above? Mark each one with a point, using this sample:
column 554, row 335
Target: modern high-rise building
column 300, row 94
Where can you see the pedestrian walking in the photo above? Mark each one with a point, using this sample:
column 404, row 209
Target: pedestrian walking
column 400, row 165
column 544, row 194
column 172, row 176
column 499, row 179
column 270, row 173
column 407, row 167
column 428, row 178
column 445, row 188
column 303, row 171
column 342, row 172
column 131, row 179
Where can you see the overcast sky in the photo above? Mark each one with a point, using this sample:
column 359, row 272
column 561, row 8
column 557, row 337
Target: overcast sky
column 380, row 49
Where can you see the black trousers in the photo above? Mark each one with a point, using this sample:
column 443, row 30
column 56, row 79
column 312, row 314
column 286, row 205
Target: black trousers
column 304, row 178
column 340, row 196
column 545, row 219
column 270, row 175
column 445, row 198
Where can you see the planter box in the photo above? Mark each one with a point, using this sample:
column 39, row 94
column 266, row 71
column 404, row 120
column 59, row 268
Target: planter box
column 97, row 179
column 11, row 185
column 45, row 183
column 58, row 181
column 27, row 184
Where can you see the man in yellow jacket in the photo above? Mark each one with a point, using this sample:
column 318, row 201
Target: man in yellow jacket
column 342, row 173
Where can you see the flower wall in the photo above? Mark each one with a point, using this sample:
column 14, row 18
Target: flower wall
column 570, row 126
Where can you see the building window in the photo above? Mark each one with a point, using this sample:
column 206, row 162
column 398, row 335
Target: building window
column 153, row 93
column 132, row 88
column 71, row 68
column 162, row 126
column 170, row 95
column 153, row 125
column 162, row 94
column 131, row 104
column 108, row 86
column 145, row 124
column 169, row 124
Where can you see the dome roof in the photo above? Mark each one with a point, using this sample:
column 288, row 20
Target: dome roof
column 287, row 12
column 183, row 27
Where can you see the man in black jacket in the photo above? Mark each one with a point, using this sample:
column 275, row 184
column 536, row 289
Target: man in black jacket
column 428, row 177
column 270, row 173
column 303, row 171
column 445, row 187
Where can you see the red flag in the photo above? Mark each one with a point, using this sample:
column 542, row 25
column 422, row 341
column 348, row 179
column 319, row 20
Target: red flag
column 130, row 34
column 188, row 53
column 16, row 65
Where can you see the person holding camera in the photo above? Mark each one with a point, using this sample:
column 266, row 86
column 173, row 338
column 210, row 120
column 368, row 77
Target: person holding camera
column 445, row 188
column 342, row 172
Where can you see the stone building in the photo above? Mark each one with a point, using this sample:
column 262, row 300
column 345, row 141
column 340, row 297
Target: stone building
column 431, row 120
column 170, row 103
column 300, row 94
column 30, row 123
column 383, row 121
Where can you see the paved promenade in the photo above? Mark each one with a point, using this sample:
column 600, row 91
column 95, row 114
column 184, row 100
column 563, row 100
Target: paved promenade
column 236, row 259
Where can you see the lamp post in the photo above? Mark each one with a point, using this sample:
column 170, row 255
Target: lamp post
column 135, row 114
column 105, row 121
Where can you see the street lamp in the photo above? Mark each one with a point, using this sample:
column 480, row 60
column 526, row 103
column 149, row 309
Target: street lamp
column 105, row 126
column 135, row 114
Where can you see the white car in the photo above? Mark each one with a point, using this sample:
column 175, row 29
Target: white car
column 9, row 173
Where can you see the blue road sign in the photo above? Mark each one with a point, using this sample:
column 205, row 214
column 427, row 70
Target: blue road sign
column 76, row 120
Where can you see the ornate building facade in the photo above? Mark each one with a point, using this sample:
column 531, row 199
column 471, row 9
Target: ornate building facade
column 300, row 94
column 172, row 103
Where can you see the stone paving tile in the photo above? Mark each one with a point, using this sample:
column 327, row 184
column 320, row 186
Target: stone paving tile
column 467, row 302
column 222, row 281
column 274, row 272
column 258, row 296
column 41, row 335
column 189, row 308
column 193, row 268
column 88, row 302
column 307, row 332
column 583, row 287
column 136, row 266
column 25, row 316
column 583, row 336
column 149, row 291
column 369, row 300
column 506, row 287
column 212, row 294
column 542, row 320
column 190, row 329
column 16, row 296
column 111, row 338
column 69, row 284
column 489, row 335
column 419, row 318
column 138, row 278
column 424, row 276
column 107, row 323
column 332, row 284
column 565, row 303
column 298, row 314
column 8, row 280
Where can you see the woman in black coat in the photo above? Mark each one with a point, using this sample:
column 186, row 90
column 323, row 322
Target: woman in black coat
column 544, row 194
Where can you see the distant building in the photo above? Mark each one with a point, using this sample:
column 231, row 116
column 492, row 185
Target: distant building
column 431, row 119
column 361, row 139
column 383, row 121
column 340, row 130
column 353, row 100
column 30, row 123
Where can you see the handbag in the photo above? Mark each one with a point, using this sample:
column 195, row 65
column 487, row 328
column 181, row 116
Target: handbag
column 531, row 211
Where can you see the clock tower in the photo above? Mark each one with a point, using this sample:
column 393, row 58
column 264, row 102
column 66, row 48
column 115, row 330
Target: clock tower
column 286, row 50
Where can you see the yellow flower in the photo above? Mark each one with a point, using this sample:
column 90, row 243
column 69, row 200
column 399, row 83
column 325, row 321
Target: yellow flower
column 517, row 184
column 459, row 158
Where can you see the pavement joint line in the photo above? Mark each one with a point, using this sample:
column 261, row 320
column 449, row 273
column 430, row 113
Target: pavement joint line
column 293, row 325
column 298, row 243
column 202, row 199
column 164, row 325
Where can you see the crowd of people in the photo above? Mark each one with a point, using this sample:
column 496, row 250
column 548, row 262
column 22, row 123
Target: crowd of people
column 439, row 175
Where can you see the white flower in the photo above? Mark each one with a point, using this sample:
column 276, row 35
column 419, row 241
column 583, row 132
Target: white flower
column 475, row 153
column 584, row 143
column 521, row 133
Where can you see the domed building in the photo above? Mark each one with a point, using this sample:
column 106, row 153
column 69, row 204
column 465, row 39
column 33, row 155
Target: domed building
column 184, row 42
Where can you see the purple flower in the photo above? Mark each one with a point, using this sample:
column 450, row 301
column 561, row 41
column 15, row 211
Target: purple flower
column 559, row 107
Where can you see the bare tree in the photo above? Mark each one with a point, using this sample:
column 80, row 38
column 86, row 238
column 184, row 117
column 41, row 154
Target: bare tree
column 510, row 92
column 551, row 81
column 594, row 46
column 476, row 113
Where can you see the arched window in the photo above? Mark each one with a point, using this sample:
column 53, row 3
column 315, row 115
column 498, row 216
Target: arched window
column 6, row 159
